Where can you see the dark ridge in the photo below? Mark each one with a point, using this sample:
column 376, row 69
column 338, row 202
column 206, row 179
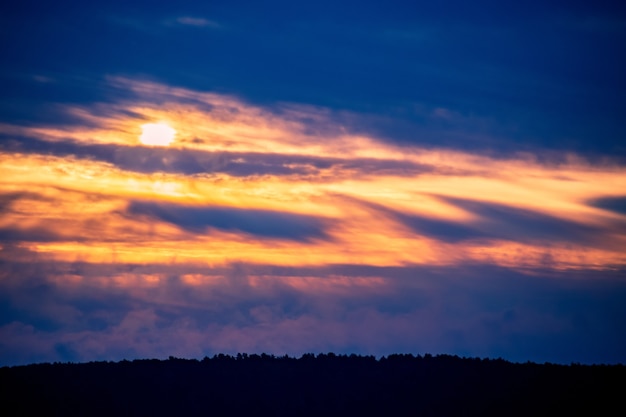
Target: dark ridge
column 322, row 385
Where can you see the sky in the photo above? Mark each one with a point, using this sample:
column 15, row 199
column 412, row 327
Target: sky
column 199, row 177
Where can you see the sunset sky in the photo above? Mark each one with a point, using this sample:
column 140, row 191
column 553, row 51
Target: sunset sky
column 198, row 177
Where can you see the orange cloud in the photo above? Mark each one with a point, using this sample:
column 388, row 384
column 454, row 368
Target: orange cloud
column 381, row 203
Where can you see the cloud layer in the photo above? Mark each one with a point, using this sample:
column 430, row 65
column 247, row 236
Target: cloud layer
column 280, row 229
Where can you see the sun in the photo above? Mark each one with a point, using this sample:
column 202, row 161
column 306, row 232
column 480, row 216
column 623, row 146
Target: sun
column 157, row 134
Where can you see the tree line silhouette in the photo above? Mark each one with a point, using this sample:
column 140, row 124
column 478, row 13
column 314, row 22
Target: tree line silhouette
column 312, row 385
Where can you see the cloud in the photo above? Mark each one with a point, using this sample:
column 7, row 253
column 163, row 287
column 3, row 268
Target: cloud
column 446, row 231
column 197, row 22
column 32, row 234
column 521, row 224
column 247, row 159
column 280, row 229
column 43, row 79
column 82, row 311
column 614, row 204
column 8, row 198
column 152, row 25
column 189, row 161
column 494, row 221
column 260, row 223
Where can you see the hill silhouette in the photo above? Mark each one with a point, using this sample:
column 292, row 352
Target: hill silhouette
column 322, row 385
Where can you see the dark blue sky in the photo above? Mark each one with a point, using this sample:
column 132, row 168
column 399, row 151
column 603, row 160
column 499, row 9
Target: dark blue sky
column 510, row 76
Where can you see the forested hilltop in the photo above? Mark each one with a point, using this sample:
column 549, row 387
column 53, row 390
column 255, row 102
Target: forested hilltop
column 322, row 385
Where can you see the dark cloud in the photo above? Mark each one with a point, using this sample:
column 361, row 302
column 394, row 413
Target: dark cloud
column 260, row 223
column 7, row 199
column 616, row 204
column 447, row 231
column 474, row 310
column 154, row 159
column 190, row 162
column 31, row 234
column 499, row 221
column 513, row 223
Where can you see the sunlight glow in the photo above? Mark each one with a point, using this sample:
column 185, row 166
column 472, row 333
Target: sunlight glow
column 157, row 134
column 350, row 197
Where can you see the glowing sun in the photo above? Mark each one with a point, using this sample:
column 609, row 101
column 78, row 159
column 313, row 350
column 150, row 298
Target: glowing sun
column 157, row 134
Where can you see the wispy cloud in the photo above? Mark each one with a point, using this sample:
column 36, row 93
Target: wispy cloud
column 154, row 26
column 197, row 21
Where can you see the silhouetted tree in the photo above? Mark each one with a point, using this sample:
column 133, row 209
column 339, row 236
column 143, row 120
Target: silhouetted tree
column 326, row 384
